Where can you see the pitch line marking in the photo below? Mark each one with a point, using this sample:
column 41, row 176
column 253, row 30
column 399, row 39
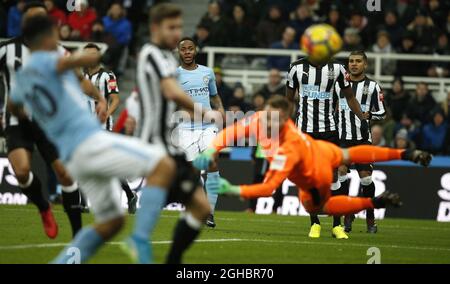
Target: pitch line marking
column 273, row 221
column 49, row 245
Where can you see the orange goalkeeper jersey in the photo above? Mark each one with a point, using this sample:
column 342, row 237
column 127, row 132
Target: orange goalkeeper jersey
column 293, row 155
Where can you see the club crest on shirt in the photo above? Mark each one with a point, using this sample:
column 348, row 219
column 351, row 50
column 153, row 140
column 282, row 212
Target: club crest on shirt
column 365, row 90
column 206, row 79
column 331, row 74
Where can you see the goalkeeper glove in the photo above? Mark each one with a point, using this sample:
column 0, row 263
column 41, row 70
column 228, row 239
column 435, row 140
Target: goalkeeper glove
column 204, row 159
column 225, row 187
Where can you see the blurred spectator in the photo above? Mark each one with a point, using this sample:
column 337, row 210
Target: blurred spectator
column 242, row 32
column 119, row 27
column 258, row 102
column 447, row 25
column 100, row 35
column 57, row 14
column 15, row 18
column 117, row 24
column 378, row 136
column 275, row 86
column 398, row 99
column 402, row 141
column 383, row 46
column 393, row 28
column 411, row 126
column 437, row 12
column 301, row 20
column 3, row 20
column 238, row 100
column 435, row 133
column 335, row 19
column 81, row 21
column 287, row 42
column 225, row 92
column 201, row 36
column 352, row 40
column 217, row 23
column 270, row 29
column 446, row 106
column 437, row 68
column 407, row 67
column 422, row 103
column 422, row 29
column 65, row 33
column 360, row 23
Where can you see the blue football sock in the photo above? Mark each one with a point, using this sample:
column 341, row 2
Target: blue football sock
column 152, row 201
column 83, row 246
column 212, row 188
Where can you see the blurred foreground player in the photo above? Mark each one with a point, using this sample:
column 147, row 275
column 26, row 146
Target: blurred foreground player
column 48, row 87
column 23, row 134
column 160, row 96
column 308, row 163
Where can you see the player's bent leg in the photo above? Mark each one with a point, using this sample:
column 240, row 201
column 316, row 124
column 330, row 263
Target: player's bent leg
column 30, row 185
column 368, row 190
column 20, row 160
column 70, row 196
column 366, row 154
column 189, row 225
column 104, row 195
column 152, row 200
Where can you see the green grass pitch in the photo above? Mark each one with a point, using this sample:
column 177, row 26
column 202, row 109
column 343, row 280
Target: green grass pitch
column 239, row 238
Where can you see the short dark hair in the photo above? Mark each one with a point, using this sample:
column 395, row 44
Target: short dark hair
column 163, row 11
column 34, row 4
column 280, row 102
column 36, row 27
column 92, row 45
column 360, row 53
column 189, row 39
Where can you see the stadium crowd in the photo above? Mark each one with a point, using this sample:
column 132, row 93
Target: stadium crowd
column 403, row 26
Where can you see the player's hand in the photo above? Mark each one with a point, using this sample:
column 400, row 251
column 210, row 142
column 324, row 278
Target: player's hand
column 203, row 161
column 366, row 115
column 100, row 109
column 365, row 129
column 225, row 187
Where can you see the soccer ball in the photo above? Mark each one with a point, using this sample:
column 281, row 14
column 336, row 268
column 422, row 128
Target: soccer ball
column 321, row 42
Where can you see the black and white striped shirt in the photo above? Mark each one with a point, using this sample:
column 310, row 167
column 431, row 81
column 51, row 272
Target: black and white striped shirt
column 371, row 98
column 13, row 54
column 157, row 123
column 106, row 82
column 315, row 85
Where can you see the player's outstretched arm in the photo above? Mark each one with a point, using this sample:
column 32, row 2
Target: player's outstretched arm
column 172, row 91
column 77, row 60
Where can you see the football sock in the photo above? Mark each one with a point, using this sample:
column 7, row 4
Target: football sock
column 369, row 191
column 83, row 246
column 71, row 204
column 212, row 188
column 366, row 154
column 127, row 189
column 314, row 219
column 152, row 201
column 186, row 231
column 32, row 190
column 345, row 205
